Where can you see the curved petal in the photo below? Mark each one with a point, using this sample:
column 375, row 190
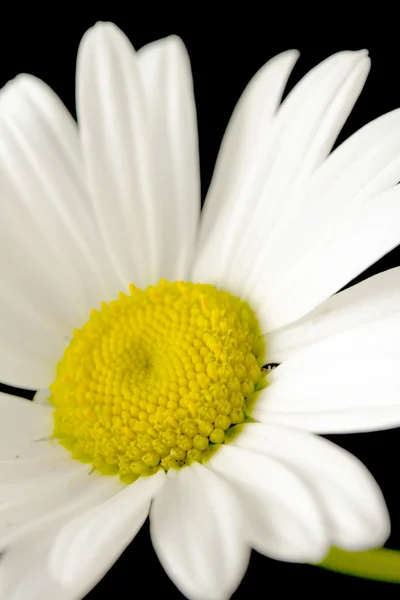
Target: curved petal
column 165, row 72
column 361, row 168
column 336, row 420
column 23, row 421
column 42, row 397
column 133, row 145
column 49, row 248
column 303, row 133
column 113, row 129
column 31, row 529
column 195, row 529
column 86, row 547
column 371, row 300
column 50, row 502
column 352, row 245
column 38, row 479
column 31, row 462
column 349, row 496
column 339, row 384
column 311, row 261
column 284, row 519
column 24, row 573
column 245, row 136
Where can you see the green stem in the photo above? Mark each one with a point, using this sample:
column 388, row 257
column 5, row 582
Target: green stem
column 381, row 564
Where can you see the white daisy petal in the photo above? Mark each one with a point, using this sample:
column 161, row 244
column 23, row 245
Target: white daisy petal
column 166, row 75
column 116, row 132
column 28, row 451
column 50, row 502
column 350, row 497
column 243, row 141
column 42, row 166
column 42, row 397
column 303, row 133
column 49, row 247
column 30, row 463
column 277, row 525
column 334, row 243
column 364, row 166
column 14, row 471
column 22, row 420
column 24, row 573
column 195, row 529
column 87, row 547
column 336, row 421
column 336, row 385
column 351, row 246
column 31, row 530
column 371, row 300
column 285, row 227
column 45, row 479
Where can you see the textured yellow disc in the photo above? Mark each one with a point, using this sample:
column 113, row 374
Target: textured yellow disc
column 158, row 378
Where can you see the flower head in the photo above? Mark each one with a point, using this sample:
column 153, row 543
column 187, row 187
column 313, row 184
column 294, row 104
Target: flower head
column 148, row 329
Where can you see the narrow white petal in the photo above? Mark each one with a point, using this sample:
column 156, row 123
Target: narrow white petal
column 51, row 502
column 30, row 461
column 87, row 547
column 350, row 497
column 364, row 166
column 48, row 482
column 25, row 568
column 284, row 518
column 245, row 136
column 21, row 451
column 336, row 421
column 303, row 133
column 195, row 528
column 42, row 397
column 15, row 470
column 166, row 75
column 115, row 123
column 340, row 383
column 22, row 420
column 371, row 300
column 24, row 572
column 49, row 248
column 351, row 245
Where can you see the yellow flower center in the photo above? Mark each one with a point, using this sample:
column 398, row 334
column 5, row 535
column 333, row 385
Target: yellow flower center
column 157, row 379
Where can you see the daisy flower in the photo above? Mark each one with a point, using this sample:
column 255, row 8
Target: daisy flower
column 147, row 329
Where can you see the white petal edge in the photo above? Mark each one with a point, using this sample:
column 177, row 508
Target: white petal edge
column 283, row 517
column 364, row 166
column 165, row 72
column 46, row 503
column 114, row 118
column 371, row 300
column 349, row 496
column 22, row 420
column 42, row 397
column 300, row 140
column 242, row 143
column 336, row 421
column 86, row 548
column 195, row 528
column 347, row 383
column 308, row 131
column 49, row 245
column 353, row 243
column 25, row 572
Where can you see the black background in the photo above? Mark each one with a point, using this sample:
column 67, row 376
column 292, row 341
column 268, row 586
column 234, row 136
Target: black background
column 222, row 65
